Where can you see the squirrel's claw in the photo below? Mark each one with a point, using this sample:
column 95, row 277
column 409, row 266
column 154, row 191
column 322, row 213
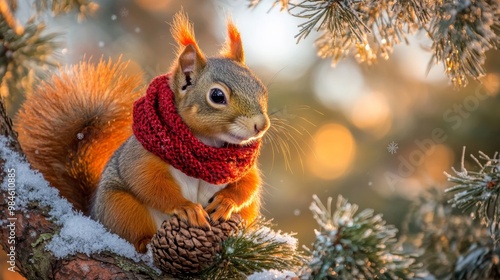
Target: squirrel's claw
column 193, row 214
column 220, row 208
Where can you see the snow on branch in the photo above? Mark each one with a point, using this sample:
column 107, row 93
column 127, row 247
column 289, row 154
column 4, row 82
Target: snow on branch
column 450, row 245
column 478, row 192
column 44, row 237
column 461, row 31
column 356, row 245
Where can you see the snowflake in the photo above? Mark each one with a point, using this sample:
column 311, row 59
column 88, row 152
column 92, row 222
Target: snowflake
column 392, row 147
column 124, row 12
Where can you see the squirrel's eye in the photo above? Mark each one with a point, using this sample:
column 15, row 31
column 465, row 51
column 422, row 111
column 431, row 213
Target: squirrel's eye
column 217, row 96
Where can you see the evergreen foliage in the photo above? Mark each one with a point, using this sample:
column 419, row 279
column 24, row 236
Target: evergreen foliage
column 20, row 53
column 461, row 31
column 27, row 49
column 478, row 192
column 450, row 245
column 255, row 249
column 351, row 245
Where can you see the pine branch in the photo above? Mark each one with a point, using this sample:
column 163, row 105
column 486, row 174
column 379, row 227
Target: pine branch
column 282, row 3
column 26, row 51
column 85, row 8
column 451, row 246
column 21, row 54
column 7, row 15
column 338, row 17
column 478, row 192
column 364, row 29
column 461, row 31
column 255, row 249
column 352, row 245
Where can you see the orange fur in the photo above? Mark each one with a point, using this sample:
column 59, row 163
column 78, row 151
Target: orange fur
column 183, row 32
column 130, row 219
column 137, row 186
column 238, row 197
column 233, row 48
column 88, row 101
column 150, row 181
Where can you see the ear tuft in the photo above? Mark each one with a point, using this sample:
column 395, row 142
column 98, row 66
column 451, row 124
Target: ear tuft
column 190, row 60
column 233, row 48
column 183, row 32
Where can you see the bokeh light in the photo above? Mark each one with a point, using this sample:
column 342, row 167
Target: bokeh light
column 338, row 86
column 334, row 150
column 154, row 5
column 414, row 61
column 491, row 83
column 439, row 158
column 371, row 113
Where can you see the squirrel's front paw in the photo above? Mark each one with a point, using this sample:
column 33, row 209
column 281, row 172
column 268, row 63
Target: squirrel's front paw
column 220, row 207
column 193, row 214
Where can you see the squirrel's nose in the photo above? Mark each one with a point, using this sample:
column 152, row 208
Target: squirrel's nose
column 257, row 129
column 260, row 123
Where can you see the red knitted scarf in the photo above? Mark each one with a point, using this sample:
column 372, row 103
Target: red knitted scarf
column 161, row 130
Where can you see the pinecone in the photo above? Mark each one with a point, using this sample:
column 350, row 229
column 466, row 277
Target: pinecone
column 180, row 249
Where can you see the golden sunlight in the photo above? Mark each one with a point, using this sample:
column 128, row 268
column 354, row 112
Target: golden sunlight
column 372, row 114
column 153, row 5
column 491, row 83
column 440, row 159
column 334, row 150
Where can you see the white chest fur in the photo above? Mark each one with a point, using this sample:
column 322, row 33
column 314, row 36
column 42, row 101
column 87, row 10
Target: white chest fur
column 193, row 189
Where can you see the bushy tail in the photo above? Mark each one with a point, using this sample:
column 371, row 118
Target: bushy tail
column 72, row 124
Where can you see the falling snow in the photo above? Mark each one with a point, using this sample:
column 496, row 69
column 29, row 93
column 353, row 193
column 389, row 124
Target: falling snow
column 392, row 147
column 124, row 12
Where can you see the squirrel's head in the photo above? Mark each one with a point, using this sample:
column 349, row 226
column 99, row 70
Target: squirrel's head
column 219, row 98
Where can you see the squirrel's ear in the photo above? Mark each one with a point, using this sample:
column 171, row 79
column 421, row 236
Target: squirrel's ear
column 233, row 48
column 183, row 32
column 190, row 58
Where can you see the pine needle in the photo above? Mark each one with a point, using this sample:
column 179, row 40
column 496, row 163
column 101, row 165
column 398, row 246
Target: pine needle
column 256, row 248
column 356, row 245
column 478, row 192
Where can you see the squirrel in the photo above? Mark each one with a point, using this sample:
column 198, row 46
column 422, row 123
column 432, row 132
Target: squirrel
column 187, row 148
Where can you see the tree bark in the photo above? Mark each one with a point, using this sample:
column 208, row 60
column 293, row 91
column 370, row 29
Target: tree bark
column 7, row 129
column 33, row 230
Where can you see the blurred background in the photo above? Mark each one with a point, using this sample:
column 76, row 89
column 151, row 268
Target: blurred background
column 336, row 123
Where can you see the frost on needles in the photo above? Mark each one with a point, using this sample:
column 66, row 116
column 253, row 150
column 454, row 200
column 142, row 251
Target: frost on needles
column 461, row 32
column 478, row 192
column 258, row 252
column 351, row 245
column 450, row 245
